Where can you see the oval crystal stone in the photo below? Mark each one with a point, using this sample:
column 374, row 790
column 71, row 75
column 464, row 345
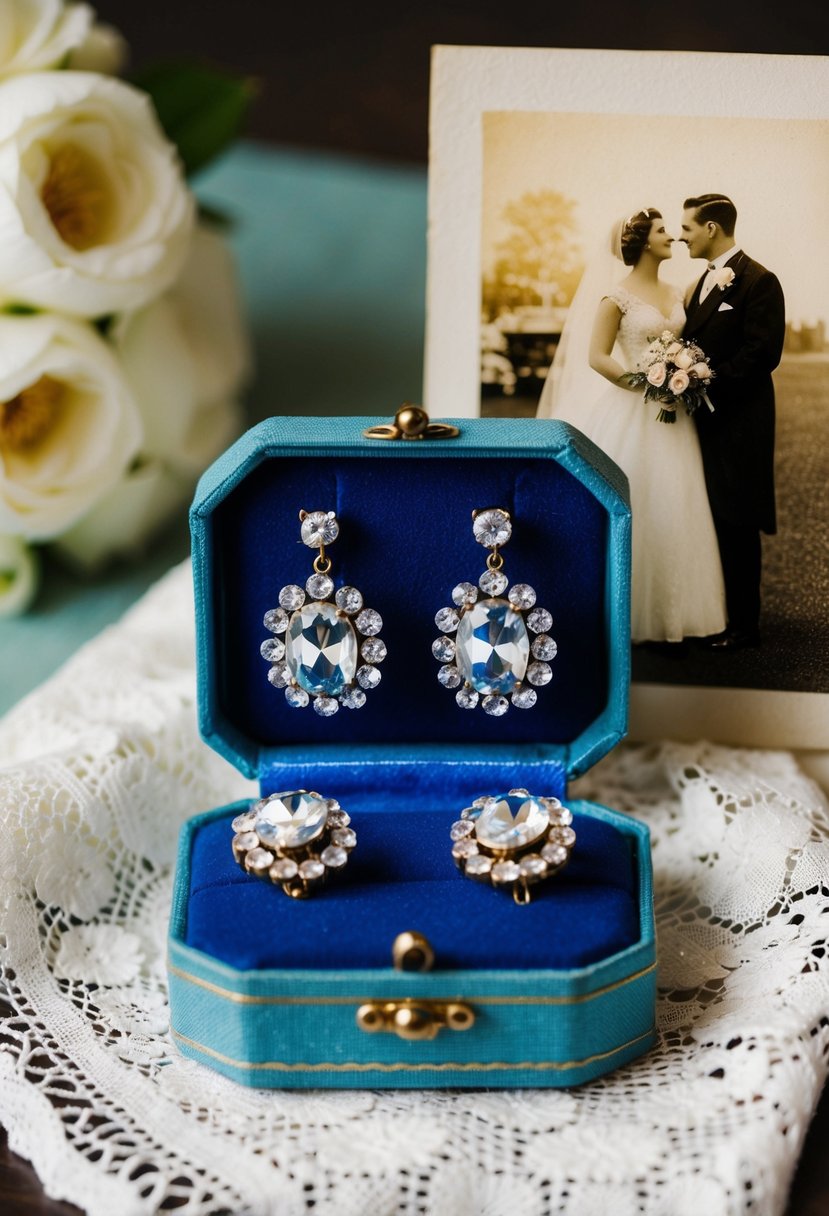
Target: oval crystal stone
column 511, row 821
column 292, row 819
column 492, row 646
column 321, row 649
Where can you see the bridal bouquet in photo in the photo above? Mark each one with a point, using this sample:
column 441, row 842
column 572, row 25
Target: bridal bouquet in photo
column 673, row 373
column 122, row 344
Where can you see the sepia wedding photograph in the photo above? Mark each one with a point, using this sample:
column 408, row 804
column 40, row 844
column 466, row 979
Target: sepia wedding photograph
column 658, row 281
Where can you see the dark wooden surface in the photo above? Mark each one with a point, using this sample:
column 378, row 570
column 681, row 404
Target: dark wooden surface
column 354, row 78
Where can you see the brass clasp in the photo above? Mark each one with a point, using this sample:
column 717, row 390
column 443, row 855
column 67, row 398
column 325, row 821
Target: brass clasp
column 412, row 422
column 415, row 1020
column 409, row 1018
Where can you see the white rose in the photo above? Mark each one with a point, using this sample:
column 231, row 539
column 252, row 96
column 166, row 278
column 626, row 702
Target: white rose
column 68, row 423
column 37, row 34
column 19, row 575
column 95, row 216
column 185, row 357
column 103, row 50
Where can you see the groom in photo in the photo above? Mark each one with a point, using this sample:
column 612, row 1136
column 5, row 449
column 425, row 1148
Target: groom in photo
column 736, row 314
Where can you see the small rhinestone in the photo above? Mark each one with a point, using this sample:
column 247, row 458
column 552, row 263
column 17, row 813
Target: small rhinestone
column 297, row 698
column 311, row 870
column 495, row 706
column 505, row 871
column 369, row 622
column 464, row 848
column 524, row 698
column 258, row 859
column 539, row 673
column 346, row 838
column 467, row 698
column 245, row 841
column 562, row 817
column 493, row 582
column 550, row 803
column 519, row 792
column 443, row 649
column 483, row 802
column 326, row 706
column 272, row 649
column 449, row 676
column 276, row 619
column 333, row 857
column 244, row 822
column 368, row 677
column 279, row 675
column 283, row 869
column 471, row 813
column 338, row 819
column 447, row 620
column 319, row 528
column 291, row 597
column 353, row 698
column 532, row 866
column 492, row 527
column 554, row 854
column 539, row 620
column 464, row 594
column 479, row 866
column 319, row 586
column 544, row 647
column 461, row 829
column 349, row 600
column 374, row 650
column 522, row 596
column 562, row 835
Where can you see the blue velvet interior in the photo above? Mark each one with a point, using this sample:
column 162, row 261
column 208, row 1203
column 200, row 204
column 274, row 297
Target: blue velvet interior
column 401, row 876
column 405, row 541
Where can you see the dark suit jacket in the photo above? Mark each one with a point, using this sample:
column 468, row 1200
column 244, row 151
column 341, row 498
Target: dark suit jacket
column 744, row 343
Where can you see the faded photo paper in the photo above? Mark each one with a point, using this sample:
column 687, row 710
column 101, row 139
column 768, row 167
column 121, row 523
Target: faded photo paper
column 607, row 246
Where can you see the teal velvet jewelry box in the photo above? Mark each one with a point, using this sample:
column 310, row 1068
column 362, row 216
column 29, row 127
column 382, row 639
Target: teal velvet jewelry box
column 266, row 989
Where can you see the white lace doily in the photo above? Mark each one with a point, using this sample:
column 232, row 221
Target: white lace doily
column 102, row 766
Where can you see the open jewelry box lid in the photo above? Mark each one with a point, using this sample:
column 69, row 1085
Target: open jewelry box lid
column 405, row 541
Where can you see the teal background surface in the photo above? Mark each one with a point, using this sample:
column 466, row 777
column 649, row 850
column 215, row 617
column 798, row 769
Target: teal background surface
column 337, row 317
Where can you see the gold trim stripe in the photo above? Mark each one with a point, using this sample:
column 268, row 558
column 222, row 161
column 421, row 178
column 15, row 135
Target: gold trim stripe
column 377, row 1066
column 246, row 998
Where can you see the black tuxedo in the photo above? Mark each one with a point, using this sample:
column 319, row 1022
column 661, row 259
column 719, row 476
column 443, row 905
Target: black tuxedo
column 744, row 342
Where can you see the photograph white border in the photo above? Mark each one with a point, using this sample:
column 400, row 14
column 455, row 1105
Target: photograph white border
column 470, row 81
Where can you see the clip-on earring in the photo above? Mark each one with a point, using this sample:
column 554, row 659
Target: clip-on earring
column 491, row 653
column 330, row 648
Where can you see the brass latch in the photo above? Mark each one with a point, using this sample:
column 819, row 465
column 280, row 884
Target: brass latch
column 409, row 1018
column 412, row 422
column 415, row 1019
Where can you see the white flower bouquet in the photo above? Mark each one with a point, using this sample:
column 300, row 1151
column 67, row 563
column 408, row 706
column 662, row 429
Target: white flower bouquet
column 122, row 344
column 673, row 372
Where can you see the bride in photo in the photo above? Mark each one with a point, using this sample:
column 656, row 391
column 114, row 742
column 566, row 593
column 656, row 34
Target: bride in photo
column 678, row 589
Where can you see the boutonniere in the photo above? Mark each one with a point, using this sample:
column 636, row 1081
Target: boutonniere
column 724, row 277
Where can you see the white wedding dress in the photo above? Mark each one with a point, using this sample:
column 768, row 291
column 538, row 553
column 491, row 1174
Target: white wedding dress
column 678, row 586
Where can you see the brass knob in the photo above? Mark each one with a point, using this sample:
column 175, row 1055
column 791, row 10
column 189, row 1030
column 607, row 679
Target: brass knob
column 411, row 420
column 415, row 1022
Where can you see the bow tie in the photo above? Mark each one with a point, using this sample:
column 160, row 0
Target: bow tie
column 712, row 266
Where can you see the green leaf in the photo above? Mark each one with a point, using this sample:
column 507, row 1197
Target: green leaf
column 200, row 108
column 20, row 310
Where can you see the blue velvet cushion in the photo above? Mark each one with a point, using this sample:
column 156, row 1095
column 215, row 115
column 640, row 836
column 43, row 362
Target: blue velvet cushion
column 401, row 876
column 405, row 541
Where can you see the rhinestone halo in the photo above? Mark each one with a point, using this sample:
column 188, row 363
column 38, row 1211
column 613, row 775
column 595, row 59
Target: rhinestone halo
column 323, row 643
column 490, row 659
column 513, row 841
column 294, row 839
